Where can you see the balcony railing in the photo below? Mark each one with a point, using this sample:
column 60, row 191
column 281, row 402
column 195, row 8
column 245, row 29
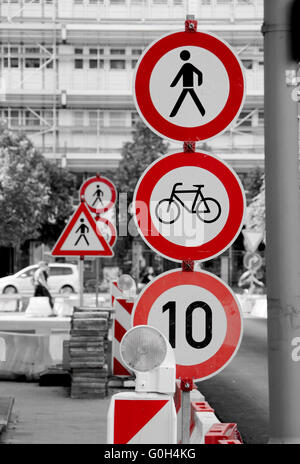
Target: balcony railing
column 96, row 10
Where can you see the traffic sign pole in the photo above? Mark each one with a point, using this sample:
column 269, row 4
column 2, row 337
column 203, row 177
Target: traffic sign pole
column 282, row 226
column 81, row 277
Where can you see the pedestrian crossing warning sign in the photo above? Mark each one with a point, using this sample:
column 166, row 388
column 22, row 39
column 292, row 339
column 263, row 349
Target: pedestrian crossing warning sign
column 81, row 237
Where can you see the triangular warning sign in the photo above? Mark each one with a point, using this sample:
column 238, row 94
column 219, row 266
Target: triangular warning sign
column 141, row 410
column 81, row 237
column 252, row 239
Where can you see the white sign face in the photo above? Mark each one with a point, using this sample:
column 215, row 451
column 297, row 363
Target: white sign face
column 189, row 206
column 177, row 300
column 98, row 193
column 198, row 314
column 82, row 237
column 189, row 86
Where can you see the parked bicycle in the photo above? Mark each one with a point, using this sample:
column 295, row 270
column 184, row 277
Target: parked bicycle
column 207, row 209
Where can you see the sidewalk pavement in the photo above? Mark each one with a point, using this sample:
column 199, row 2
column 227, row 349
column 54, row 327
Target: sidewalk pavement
column 44, row 415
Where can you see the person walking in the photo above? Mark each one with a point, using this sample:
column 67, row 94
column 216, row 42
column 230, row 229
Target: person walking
column 41, row 287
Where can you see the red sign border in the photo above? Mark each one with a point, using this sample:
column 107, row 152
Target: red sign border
column 141, row 86
column 57, row 251
column 110, row 185
column 226, row 297
column 232, row 185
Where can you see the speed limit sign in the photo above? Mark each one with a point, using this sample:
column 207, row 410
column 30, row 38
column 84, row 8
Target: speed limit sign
column 199, row 315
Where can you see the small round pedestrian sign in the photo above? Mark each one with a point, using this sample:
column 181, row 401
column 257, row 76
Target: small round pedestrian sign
column 189, row 86
column 198, row 314
column 98, row 193
column 189, row 206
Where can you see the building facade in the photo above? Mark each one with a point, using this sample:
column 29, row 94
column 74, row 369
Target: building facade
column 66, row 70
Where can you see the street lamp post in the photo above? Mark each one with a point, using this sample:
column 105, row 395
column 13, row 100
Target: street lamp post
column 282, row 225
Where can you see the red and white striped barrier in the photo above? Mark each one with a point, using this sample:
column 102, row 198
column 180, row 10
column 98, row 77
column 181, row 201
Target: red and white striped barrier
column 223, row 434
column 205, row 427
column 122, row 323
column 141, row 418
column 115, row 292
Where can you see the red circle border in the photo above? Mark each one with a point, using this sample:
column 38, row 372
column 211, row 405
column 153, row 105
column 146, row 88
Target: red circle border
column 211, row 283
column 142, row 86
column 236, row 206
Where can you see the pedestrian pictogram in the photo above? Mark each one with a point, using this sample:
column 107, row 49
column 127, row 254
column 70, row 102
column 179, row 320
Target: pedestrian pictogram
column 189, row 206
column 82, row 230
column 99, row 194
column 82, row 237
column 198, row 314
column 189, row 86
column 187, row 74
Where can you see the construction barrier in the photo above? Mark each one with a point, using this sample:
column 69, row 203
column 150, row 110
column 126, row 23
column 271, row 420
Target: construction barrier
column 115, row 292
column 121, row 324
column 23, row 355
column 221, row 434
column 142, row 418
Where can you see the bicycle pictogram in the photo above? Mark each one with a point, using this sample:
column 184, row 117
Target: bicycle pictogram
column 207, row 209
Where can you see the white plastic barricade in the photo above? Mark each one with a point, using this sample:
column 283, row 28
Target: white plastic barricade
column 141, row 418
column 23, row 354
column 38, row 306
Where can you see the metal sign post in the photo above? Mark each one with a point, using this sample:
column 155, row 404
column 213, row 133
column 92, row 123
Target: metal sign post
column 282, row 225
column 81, row 277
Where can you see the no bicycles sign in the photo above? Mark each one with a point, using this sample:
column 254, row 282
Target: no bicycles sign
column 189, row 206
column 189, row 86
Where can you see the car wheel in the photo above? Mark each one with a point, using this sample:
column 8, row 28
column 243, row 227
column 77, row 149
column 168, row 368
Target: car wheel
column 67, row 289
column 10, row 290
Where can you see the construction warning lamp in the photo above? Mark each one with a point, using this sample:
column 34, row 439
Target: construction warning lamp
column 127, row 284
column 147, row 352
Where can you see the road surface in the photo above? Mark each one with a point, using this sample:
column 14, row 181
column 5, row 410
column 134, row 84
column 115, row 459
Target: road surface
column 240, row 392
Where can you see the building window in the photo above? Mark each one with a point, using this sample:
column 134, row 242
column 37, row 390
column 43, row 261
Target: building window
column 117, row 2
column 93, row 64
column 117, row 51
column 78, row 64
column 245, row 120
column 14, row 62
column 133, row 63
column 32, row 62
column 117, row 118
column 96, row 119
column 248, row 64
column 134, row 118
column 117, row 64
column 78, row 118
column 14, row 118
column 93, row 51
column 32, row 119
column 136, row 51
column 78, row 51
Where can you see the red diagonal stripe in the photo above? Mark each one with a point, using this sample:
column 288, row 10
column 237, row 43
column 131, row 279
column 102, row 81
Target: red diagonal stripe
column 119, row 331
column 119, row 369
column 132, row 415
column 125, row 304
